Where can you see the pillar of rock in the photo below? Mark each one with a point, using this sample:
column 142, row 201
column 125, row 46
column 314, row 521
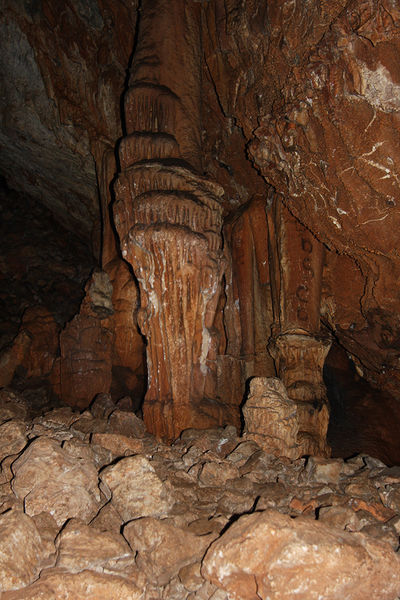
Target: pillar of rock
column 297, row 345
column 169, row 218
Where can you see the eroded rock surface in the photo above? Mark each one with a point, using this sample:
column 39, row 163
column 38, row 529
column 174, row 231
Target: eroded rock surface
column 211, row 517
column 270, row 555
column 271, row 418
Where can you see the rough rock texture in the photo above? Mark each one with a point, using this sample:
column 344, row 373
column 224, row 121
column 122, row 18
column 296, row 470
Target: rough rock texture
column 300, row 359
column 211, row 517
column 81, row 547
column 86, row 346
column 256, row 195
column 21, row 551
column 319, row 109
column 47, row 478
column 87, row 584
column 169, row 220
column 269, row 555
column 162, row 548
column 43, row 267
column 62, row 74
column 135, row 488
column 271, row 418
column 61, row 92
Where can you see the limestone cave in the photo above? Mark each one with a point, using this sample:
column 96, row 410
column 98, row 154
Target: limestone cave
column 200, row 311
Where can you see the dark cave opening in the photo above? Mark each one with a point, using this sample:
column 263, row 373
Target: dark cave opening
column 363, row 419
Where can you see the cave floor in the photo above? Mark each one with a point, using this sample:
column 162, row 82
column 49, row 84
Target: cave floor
column 92, row 506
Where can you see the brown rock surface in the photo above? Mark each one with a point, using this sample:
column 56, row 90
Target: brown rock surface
column 119, row 445
column 48, row 479
column 169, row 220
column 328, row 146
column 309, row 96
column 13, row 438
column 270, row 555
column 271, row 417
column 163, row 549
column 21, row 551
column 81, row 548
column 226, row 257
column 136, row 490
column 70, row 75
column 86, row 346
column 90, row 585
column 43, row 330
column 172, row 502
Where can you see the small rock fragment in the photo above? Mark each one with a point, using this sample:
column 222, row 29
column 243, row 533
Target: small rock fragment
column 162, row 548
column 136, row 489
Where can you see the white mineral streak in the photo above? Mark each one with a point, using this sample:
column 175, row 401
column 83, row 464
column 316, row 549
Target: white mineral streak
column 378, row 88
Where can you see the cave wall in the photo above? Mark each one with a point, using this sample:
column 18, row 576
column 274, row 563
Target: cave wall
column 318, row 110
column 63, row 72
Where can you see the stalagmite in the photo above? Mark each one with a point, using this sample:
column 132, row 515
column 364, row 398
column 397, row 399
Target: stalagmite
column 297, row 345
column 169, row 219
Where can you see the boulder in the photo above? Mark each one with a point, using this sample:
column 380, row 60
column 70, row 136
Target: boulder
column 49, row 479
column 270, row 555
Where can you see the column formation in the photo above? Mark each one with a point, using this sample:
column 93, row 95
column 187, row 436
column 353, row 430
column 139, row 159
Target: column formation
column 169, row 220
column 298, row 347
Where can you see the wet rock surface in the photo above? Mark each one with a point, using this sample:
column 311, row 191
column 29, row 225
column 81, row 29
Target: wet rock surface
column 213, row 516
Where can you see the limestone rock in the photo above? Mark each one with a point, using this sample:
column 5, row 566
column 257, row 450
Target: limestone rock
column 191, row 577
column 40, row 325
column 55, row 583
column 324, row 470
column 299, row 362
column 217, row 474
column 81, row 548
column 21, row 550
column 86, row 346
column 119, row 445
column 171, row 232
column 271, row 417
column 342, row 517
column 102, row 406
column 99, row 293
column 107, row 519
column 13, row 438
column 162, row 548
column 126, row 423
column 12, row 406
column 13, row 356
column 48, row 530
column 136, row 490
column 270, row 555
column 128, row 348
column 49, row 479
column 327, row 109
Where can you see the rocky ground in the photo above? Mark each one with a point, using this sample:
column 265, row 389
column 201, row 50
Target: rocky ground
column 93, row 507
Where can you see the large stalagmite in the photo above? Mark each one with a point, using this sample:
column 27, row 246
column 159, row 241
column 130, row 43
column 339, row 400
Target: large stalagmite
column 169, row 219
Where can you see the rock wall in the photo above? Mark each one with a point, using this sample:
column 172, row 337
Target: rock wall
column 318, row 109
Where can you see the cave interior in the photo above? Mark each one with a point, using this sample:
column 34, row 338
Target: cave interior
column 199, row 200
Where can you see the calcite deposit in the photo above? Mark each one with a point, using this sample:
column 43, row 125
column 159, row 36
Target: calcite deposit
column 211, row 517
column 169, row 221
